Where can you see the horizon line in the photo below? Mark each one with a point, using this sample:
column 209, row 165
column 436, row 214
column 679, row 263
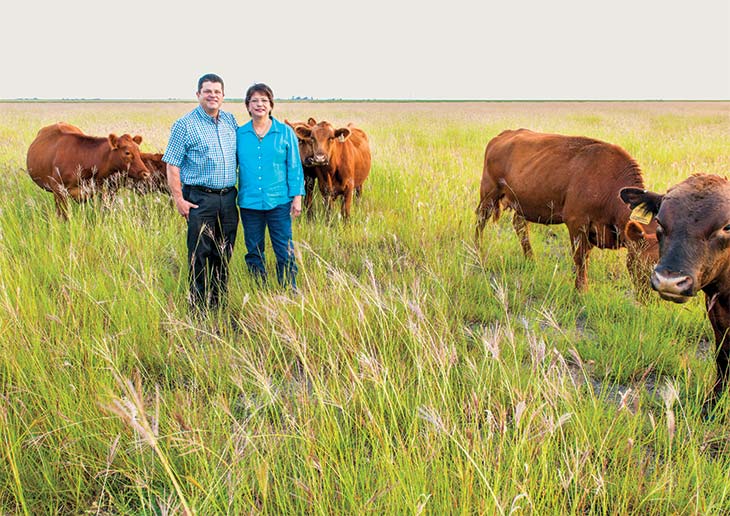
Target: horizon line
column 342, row 99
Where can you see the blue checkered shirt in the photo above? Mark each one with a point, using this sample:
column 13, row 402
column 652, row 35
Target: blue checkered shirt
column 205, row 150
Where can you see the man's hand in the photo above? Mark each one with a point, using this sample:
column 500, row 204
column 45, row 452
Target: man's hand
column 184, row 207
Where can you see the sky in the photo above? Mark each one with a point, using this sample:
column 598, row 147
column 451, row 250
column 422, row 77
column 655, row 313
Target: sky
column 369, row 49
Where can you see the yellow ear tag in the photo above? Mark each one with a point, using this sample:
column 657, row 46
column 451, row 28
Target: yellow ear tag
column 641, row 215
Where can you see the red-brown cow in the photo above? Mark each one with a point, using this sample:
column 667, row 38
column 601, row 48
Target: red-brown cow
column 310, row 172
column 340, row 157
column 694, row 252
column 65, row 161
column 571, row 180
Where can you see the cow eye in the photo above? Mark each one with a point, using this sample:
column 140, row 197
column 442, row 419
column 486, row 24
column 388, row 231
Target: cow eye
column 726, row 229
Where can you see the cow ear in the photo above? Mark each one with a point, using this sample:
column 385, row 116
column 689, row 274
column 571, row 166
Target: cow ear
column 302, row 131
column 634, row 231
column 644, row 205
column 311, row 122
column 137, row 139
column 636, row 196
column 342, row 134
column 113, row 141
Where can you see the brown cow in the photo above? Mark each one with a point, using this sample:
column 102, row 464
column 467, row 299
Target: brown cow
column 694, row 252
column 65, row 161
column 157, row 181
column 310, row 172
column 340, row 157
column 571, row 180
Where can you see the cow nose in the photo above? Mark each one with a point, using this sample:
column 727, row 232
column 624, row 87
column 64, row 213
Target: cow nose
column 320, row 159
column 672, row 284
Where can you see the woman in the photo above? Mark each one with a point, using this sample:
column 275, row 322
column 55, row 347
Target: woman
column 271, row 185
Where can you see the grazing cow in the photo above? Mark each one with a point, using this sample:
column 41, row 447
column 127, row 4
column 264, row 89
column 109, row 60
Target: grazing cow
column 571, row 180
column 340, row 157
column 693, row 229
column 65, row 161
column 157, row 181
column 310, row 172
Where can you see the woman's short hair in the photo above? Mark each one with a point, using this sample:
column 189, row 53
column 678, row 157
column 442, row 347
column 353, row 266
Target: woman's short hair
column 259, row 87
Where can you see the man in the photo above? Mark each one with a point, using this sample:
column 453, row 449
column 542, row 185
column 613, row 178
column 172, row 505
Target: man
column 201, row 174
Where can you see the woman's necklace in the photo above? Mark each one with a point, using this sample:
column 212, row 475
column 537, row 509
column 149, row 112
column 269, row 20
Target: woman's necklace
column 260, row 134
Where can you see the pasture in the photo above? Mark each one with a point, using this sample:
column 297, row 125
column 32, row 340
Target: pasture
column 413, row 375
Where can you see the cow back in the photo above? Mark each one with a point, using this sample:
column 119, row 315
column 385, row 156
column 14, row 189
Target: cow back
column 550, row 179
column 358, row 150
column 42, row 152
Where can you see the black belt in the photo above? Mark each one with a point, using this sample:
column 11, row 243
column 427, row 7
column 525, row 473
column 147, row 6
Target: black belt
column 218, row 191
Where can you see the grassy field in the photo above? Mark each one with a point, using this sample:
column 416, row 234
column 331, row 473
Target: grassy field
column 413, row 375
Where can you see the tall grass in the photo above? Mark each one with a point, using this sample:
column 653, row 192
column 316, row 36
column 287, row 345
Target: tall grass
column 414, row 374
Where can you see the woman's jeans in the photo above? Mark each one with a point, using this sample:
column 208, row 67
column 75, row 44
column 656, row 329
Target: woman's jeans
column 278, row 220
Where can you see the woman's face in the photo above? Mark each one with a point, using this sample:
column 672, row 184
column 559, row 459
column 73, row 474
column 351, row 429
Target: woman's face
column 259, row 105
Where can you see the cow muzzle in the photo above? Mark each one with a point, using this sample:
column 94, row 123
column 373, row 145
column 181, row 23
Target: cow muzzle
column 319, row 160
column 678, row 288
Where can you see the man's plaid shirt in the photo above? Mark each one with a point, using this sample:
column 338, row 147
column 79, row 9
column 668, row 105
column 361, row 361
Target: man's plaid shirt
column 204, row 150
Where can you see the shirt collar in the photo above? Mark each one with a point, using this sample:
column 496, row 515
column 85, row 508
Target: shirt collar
column 201, row 113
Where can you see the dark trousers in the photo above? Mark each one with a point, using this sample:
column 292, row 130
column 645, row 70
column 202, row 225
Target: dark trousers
column 278, row 220
column 212, row 230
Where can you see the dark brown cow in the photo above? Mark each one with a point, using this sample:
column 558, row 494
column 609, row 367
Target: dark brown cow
column 310, row 172
column 65, row 161
column 694, row 252
column 157, row 181
column 340, row 157
column 571, row 180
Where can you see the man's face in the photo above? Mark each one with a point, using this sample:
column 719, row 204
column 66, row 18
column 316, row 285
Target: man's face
column 210, row 97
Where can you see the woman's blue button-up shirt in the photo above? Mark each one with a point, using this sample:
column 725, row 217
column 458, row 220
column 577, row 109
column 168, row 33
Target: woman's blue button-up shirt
column 269, row 170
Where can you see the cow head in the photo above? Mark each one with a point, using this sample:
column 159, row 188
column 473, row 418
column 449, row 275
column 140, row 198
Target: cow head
column 316, row 141
column 124, row 156
column 305, row 145
column 693, row 233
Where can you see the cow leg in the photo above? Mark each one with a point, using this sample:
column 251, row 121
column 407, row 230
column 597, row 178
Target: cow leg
column 721, row 361
column 61, row 205
column 489, row 206
column 522, row 228
column 325, row 188
column 581, row 250
column 80, row 193
column 718, row 311
column 308, row 193
column 347, row 201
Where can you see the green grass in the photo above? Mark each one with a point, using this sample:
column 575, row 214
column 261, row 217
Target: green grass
column 415, row 374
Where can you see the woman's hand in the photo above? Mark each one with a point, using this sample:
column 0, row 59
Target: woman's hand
column 296, row 206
